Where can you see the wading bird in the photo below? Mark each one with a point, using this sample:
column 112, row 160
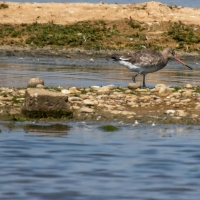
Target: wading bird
column 147, row 61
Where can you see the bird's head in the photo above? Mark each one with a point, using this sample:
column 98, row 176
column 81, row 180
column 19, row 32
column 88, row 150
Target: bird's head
column 168, row 53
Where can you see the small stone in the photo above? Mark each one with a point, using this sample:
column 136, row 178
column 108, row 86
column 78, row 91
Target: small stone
column 181, row 113
column 174, row 100
column 155, row 90
column 188, row 85
column 86, row 110
column 65, row 91
column 128, row 113
column 95, row 87
column 185, row 100
column 170, row 90
column 187, row 93
column 74, row 90
column 160, row 86
column 163, row 92
column 88, row 102
column 170, row 111
column 176, row 95
column 109, row 107
column 145, row 98
column 22, row 92
column 103, row 91
column 33, row 82
column 197, row 107
column 134, row 85
column 194, row 116
column 75, row 107
column 39, row 86
column 74, row 99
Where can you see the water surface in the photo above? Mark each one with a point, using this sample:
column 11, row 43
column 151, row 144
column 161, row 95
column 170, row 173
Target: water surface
column 17, row 71
column 79, row 161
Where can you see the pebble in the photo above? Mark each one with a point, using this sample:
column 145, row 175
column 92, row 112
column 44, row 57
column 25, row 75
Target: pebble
column 88, row 102
column 187, row 93
column 134, row 85
column 181, row 113
column 86, row 110
column 188, row 85
column 33, row 82
column 65, row 91
column 170, row 111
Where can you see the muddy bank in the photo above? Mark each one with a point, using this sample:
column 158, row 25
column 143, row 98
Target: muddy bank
column 175, row 105
column 71, row 53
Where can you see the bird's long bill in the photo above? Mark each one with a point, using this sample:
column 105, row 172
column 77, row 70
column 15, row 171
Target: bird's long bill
column 182, row 62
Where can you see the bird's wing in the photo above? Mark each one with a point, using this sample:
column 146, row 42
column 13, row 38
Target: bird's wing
column 121, row 57
column 146, row 58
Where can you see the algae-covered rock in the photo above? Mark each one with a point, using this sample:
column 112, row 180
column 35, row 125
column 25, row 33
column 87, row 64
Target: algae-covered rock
column 44, row 103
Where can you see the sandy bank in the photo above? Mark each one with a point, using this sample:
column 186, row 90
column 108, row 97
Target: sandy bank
column 66, row 13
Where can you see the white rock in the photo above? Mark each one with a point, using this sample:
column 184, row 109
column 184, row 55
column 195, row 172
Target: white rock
column 160, row 86
column 170, row 111
column 94, row 87
column 188, row 86
column 134, row 85
column 65, row 91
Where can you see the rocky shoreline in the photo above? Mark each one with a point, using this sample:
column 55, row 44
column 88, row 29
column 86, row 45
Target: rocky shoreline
column 162, row 104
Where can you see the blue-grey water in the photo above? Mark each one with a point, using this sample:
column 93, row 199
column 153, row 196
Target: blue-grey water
column 186, row 3
column 78, row 161
column 67, row 72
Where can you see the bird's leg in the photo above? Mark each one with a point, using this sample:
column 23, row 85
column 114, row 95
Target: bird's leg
column 144, row 85
column 133, row 78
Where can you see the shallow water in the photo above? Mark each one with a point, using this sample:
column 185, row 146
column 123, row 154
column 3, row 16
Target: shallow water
column 16, row 72
column 79, row 161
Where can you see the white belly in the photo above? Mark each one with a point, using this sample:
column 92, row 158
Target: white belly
column 130, row 66
column 140, row 69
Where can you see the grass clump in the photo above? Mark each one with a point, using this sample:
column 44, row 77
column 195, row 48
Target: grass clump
column 85, row 34
column 182, row 33
column 3, row 6
column 109, row 128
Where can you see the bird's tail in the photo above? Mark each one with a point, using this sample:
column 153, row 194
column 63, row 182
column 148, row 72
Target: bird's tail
column 115, row 57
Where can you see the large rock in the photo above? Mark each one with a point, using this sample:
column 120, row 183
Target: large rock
column 44, row 103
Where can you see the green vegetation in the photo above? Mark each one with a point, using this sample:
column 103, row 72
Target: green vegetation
column 109, row 128
column 3, row 6
column 183, row 33
column 100, row 35
column 82, row 34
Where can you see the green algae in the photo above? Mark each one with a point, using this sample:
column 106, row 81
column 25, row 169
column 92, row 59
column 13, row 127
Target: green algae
column 109, row 128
